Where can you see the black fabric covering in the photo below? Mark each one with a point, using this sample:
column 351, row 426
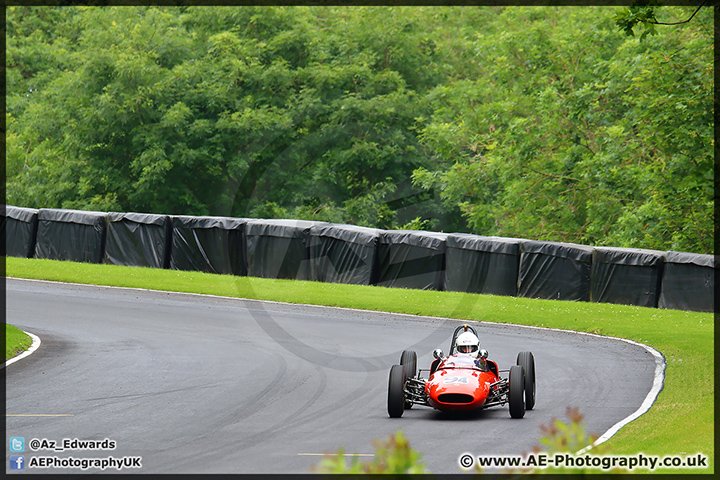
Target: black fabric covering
column 479, row 264
column 20, row 230
column 411, row 259
column 138, row 240
column 70, row 235
column 209, row 244
column 343, row 254
column 320, row 251
column 554, row 270
column 688, row 282
column 629, row 276
column 278, row 248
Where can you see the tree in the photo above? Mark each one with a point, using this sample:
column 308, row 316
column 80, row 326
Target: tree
column 539, row 122
column 576, row 134
column 645, row 15
column 226, row 110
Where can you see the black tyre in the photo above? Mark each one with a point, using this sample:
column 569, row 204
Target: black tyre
column 408, row 359
column 516, row 391
column 527, row 361
column 396, row 395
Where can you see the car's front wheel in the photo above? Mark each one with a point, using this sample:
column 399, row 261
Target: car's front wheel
column 396, row 394
column 527, row 360
column 515, row 394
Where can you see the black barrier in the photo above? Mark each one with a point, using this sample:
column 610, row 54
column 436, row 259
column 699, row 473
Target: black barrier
column 411, row 259
column 688, row 282
column 479, row 264
column 72, row 235
column 343, row 254
column 20, row 231
column 554, row 270
column 321, row 251
column 629, row 276
column 209, row 244
column 278, row 248
column 138, row 240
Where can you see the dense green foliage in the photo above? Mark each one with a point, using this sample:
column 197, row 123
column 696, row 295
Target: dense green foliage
column 535, row 122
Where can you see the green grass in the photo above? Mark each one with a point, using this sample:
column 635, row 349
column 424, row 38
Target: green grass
column 680, row 422
column 16, row 341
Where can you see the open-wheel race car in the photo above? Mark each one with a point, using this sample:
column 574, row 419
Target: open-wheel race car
column 464, row 380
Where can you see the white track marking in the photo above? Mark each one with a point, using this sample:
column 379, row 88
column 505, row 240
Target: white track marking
column 35, row 345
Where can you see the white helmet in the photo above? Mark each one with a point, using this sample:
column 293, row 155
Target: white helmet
column 467, row 343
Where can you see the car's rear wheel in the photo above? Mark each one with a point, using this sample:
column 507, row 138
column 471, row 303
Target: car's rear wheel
column 408, row 359
column 527, row 360
column 516, row 390
column 396, row 395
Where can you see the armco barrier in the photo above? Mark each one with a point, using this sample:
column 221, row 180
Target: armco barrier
column 343, row 254
column 209, row 244
column 322, row 251
column 688, row 282
column 73, row 235
column 554, row 270
column 629, row 276
column 20, row 231
column 411, row 259
column 138, row 240
column 278, row 248
column 479, row 264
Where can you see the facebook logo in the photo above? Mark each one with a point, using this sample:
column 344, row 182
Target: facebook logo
column 17, row 462
column 17, row 444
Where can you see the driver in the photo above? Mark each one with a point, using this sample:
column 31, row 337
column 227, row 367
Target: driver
column 468, row 344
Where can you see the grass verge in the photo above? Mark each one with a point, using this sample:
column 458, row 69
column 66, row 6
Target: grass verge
column 16, row 341
column 681, row 422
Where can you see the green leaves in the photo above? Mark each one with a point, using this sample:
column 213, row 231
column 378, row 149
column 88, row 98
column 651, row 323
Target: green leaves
column 224, row 110
column 540, row 122
column 576, row 134
column 629, row 17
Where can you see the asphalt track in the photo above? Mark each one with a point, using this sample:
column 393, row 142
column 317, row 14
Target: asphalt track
column 199, row 384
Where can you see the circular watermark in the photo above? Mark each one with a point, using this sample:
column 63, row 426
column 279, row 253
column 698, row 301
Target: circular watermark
column 466, row 460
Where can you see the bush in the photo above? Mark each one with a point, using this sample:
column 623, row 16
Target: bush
column 394, row 455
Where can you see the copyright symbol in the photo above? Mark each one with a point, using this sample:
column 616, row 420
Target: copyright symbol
column 34, row 444
column 466, row 461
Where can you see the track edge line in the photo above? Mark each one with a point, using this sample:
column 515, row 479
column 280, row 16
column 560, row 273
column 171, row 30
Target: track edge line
column 35, row 345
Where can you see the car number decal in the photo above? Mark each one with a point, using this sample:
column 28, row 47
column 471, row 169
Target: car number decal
column 456, row 380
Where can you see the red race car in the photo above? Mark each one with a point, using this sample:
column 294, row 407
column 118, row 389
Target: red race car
column 464, row 380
